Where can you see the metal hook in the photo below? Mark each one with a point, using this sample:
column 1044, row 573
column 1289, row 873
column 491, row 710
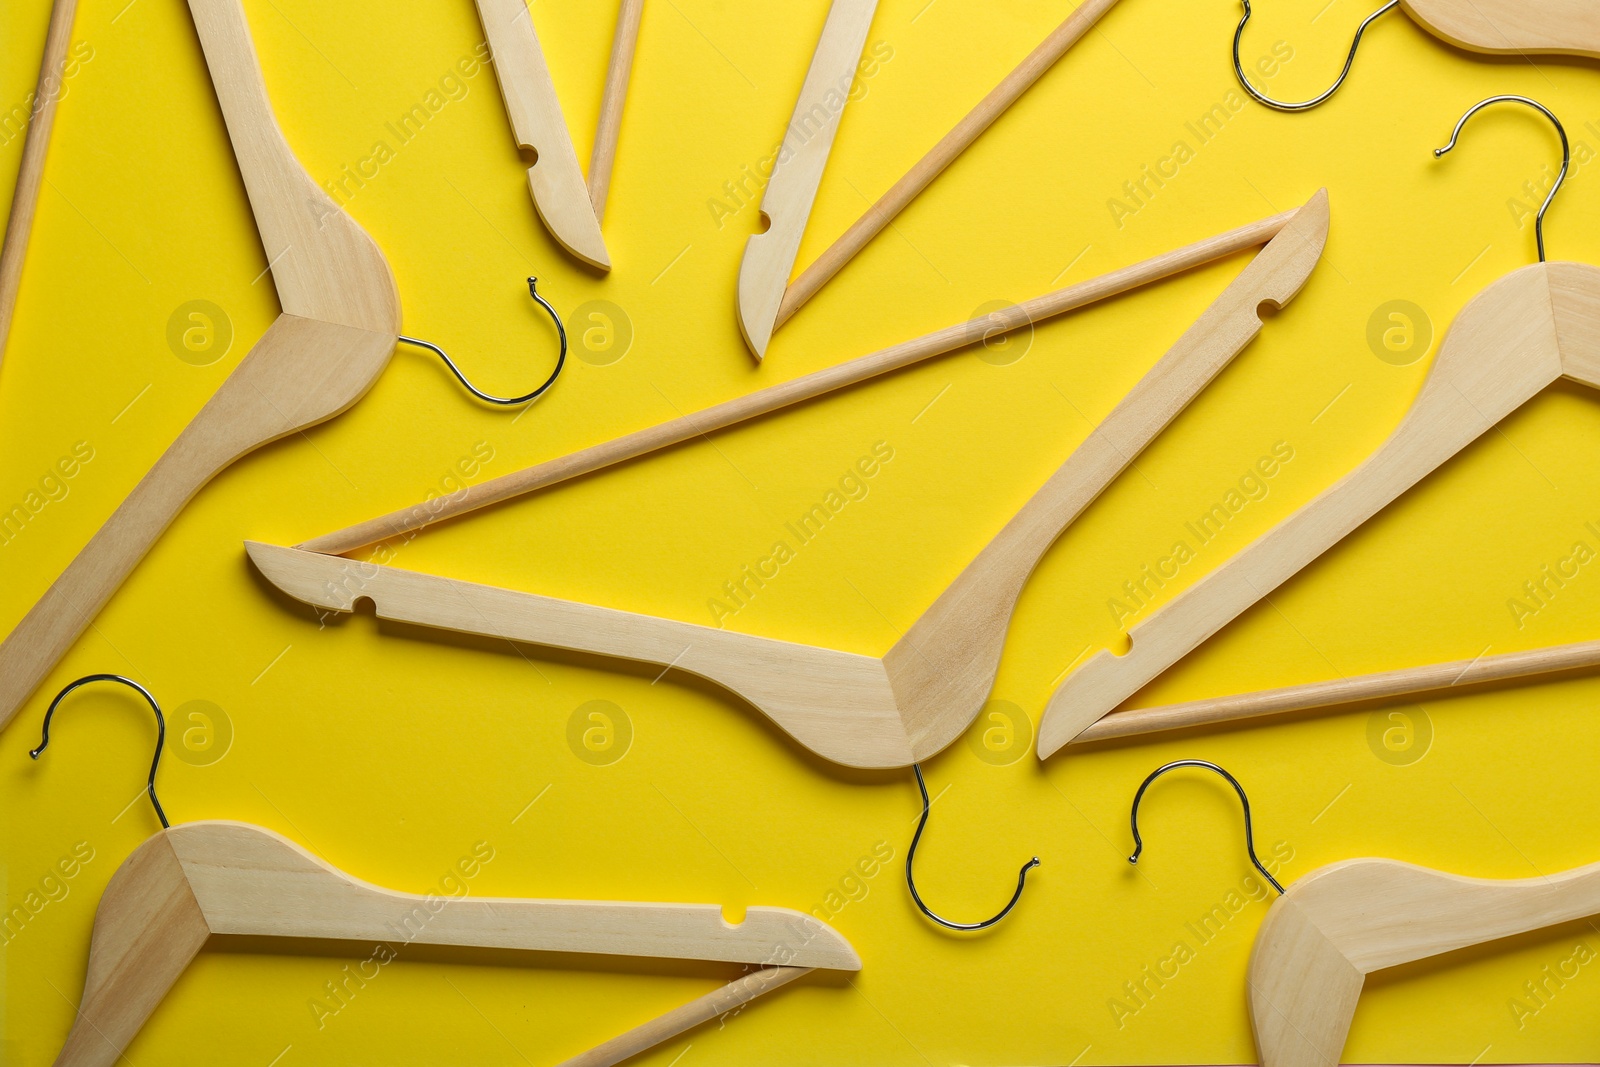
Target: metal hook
column 911, row 882
column 1244, row 79
column 1249, row 832
column 561, row 358
column 1566, row 152
column 161, row 730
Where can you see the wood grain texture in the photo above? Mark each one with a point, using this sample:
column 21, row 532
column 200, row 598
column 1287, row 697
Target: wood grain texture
column 807, row 140
column 837, row 704
column 944, row 668
column 1437, row 678
column 1503, row 350
column 609, row 129
column 786, row 394
column 949, row 148
column 336, row 335
column 30, row 173
column 185, row 884
column 1347, row 920
column 697, row 1012
column 1513, row 27
column 856, row 710
column 555, row 179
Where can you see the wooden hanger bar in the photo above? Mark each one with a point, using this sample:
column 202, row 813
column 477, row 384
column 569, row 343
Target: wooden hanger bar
column 1513, row 27
column 193, row 881
column 786, row 394
column 340, row 318
column 30, row 176
column 957, row 141
column 1436, row 679
column 1519, row 336
column 618, row 74
column 1345, row 921
column 555, row 179
column 792, row 189
column 855, row 710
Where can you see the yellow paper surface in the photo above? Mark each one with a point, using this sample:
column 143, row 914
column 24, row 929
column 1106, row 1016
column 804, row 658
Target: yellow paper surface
column 395, row 753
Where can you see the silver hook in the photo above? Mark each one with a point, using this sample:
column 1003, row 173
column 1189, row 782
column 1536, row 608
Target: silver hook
column 161, row 730
column 1249, row 832
column 911, row 882
column 1566, row 152
column 1244, row 79
column 561, row 358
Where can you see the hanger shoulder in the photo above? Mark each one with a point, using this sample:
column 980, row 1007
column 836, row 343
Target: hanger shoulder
column 802, row 156
column 555, row 179
column 250, row 881
column 837, row 704
column 1303, row 991
column 1550, row 27
column 1501, row 351
column 147, row 929
column 945, row 665
column 324, row 266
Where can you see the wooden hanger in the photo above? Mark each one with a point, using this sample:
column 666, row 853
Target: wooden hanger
column 556, row 180
column 1342, row 922
column 1438, row 678
column 764, row 302
column 803, row 153
column 341, row 317
column 856, row 710
column 191, row 882
column 1520, row 335
column 30, row 175
column 623, row 45
column 1498, row 27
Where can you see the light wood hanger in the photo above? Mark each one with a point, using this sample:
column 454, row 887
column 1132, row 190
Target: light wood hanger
column 1438, row 678
column 340, row 321
column 555, row 179
column 1519, row 336
column 191, row 882
column 1342, row 922
column 1497, row 27
column 30, row 176
column 1331, row 928
column 764, row 302
column 792, row 189
column 860, row 711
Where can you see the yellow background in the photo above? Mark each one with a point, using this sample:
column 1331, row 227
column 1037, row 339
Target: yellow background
column 392, row 753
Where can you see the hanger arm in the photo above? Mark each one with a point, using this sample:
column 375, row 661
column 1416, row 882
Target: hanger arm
column 1345, row 921
column 792, row 190
column 949, row 662
column 324, row 266
column 555, row 179
column 836, row 703
column 1500, row 353
column 787, row 394
column 1513, row 27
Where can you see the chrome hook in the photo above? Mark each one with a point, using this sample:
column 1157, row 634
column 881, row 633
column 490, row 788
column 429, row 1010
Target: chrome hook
column 911, row 882
column 161, row 730
column 1249, row 831
column 1566, row 152
column 561, row 357
column 1280, row 105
